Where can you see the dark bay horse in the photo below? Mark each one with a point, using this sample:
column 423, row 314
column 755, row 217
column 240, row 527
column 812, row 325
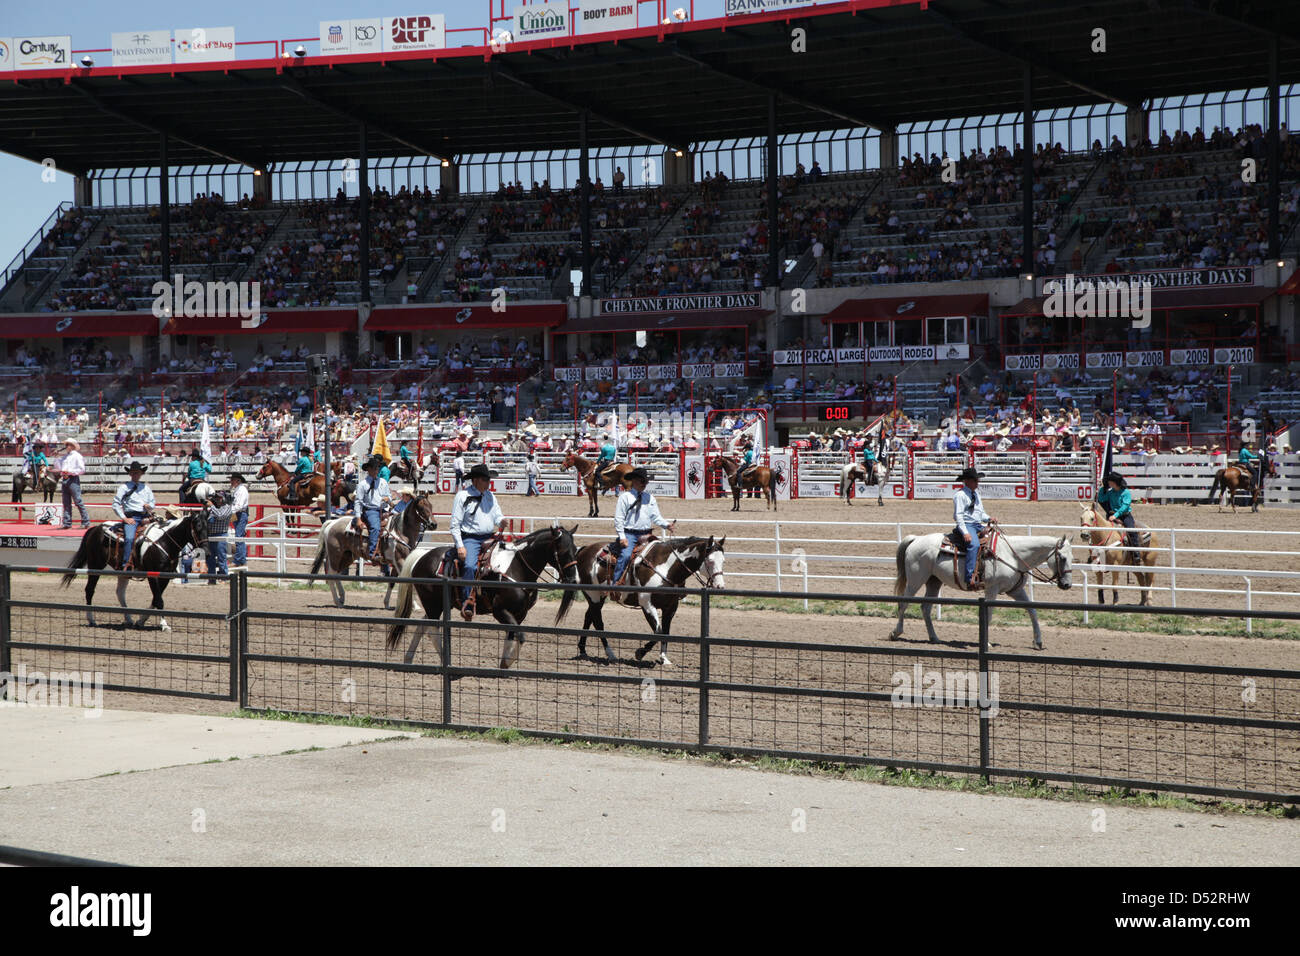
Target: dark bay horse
column 47, row 486
column 157, row 549
column 339, row 545
column 307, row 490
column 1230, row 481
column 551, row 546
column 587, row 475
column 756, row 479
column 667, row 563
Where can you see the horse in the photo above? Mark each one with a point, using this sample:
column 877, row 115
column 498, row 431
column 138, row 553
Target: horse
column 551, row 546
column 338, row 545
column 198, row 493
column 313, row 485
column 1105, row 539
column 617, row 475
column 666, row 563
column 157, row 549
column 855, row 471
column 1231, row 480
column 407, row 470
column 1016, row 557
column 48, row 484
column 756, row 479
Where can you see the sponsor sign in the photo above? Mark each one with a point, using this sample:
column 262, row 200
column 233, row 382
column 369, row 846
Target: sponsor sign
column 1166, row 279
column 539, row 20
column 205, row 44
column 1004, row 490
column 597, row 16
column 1056, row 492
column 339, row 37
column 781, row 461
column 735, row 8
column 41, row 53
column 6, row 53
column 693, row 469
column 928, row 489
column 141, row 47
column 680, row 303
column 1189, row 356
column 882, row 354
column 422, row 32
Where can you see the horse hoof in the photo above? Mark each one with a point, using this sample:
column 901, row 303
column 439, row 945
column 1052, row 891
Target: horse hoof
column 1038, row 645
column 640, row 653
column 663, row 659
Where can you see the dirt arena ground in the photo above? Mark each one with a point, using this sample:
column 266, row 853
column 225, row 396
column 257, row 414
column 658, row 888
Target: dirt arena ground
column 823, row 661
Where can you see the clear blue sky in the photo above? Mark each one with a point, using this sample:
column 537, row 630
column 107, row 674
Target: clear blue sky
column 28, row 201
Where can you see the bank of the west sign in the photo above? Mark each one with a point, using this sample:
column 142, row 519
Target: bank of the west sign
column 681, row 303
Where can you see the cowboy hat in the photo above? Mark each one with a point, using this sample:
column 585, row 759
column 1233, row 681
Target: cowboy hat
column 318, row 498
column 481, row 471
column 373, row 460
column 969, row 474
column 639, row 474
column 1116, row 477
column 73, row 442
column 136, row 466
column 238, row 476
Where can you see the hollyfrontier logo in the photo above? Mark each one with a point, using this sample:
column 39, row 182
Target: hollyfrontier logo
column 196, row 299
column 1119, row 297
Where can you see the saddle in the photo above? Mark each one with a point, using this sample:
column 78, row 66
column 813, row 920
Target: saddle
column 954, row 543
column 607, row 560
column 115, row 535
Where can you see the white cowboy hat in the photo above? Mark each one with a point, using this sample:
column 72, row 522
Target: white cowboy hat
column 73, row 442
column 318, row 498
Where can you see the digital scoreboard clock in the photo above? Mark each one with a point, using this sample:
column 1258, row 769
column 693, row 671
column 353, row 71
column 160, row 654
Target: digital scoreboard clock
column 835, row 413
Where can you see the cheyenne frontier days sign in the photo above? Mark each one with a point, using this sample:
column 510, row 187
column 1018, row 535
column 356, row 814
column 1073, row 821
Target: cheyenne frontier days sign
column 681, row 303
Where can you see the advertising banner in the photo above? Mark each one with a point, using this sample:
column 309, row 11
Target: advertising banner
column 205, row 44
column 540, row 20
column 425, row 32
column 600, row 16
column 41, row 53
column 141, row 47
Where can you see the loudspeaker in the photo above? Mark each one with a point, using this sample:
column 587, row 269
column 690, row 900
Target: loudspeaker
column 318, row 370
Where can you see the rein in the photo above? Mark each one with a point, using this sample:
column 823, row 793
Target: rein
column 676, row 554
column 1033, row 572
column 537, row 572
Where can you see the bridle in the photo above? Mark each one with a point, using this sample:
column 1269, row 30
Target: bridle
column 707, row 584
column 1054, row 578
column 558, row 562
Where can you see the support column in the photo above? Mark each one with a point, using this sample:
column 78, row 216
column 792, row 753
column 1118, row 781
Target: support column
column 773, row 175
column 889, row 151
column 83, row 193
column 164, row 210
column 262, row 186
column 1136, row 120
column 363, row 180
column 584, row 201
column 1274, row 144
column 449, row 179
column 1027, row 176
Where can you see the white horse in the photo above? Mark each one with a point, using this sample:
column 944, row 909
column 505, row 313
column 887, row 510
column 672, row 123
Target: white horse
column 920, row 562
column 856, row 471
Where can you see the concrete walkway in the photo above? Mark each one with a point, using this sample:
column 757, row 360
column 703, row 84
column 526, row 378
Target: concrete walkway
column 434, row 800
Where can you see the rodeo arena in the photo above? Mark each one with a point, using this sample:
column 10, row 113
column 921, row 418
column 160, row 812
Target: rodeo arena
column 873, row 388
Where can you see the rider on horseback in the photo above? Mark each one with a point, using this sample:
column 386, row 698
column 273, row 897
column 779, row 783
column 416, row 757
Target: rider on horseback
column 303, row 472
column 133, row 503
column 869, row 460
column 971, row 518
column 1250, row 459
column 1117, row 501
column 746, row 461
column 608, row 457
column 475, row 518
column 198, row 470
column 37, row 462
column 635, row 516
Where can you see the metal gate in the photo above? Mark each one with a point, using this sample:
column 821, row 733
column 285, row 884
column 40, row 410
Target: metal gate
column 665, row 468
column 934, row 473
column 1064, row 476
column 817, row 473
column 1007, row 474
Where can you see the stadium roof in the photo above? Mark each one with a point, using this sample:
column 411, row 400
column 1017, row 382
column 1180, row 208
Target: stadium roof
column 872, row 63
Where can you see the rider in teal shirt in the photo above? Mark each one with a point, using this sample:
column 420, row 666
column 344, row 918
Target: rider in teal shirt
column 196, row 471
column 1117, row 501
column 608, row 454
column 304, row 469
column 36, row 460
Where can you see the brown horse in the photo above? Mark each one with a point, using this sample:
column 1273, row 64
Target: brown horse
column 616, row 475
column 756, row 479
column 1231, row 480
column 1106, row 541
column 307, row 490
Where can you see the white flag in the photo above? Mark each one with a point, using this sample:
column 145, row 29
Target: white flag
column 205, row 442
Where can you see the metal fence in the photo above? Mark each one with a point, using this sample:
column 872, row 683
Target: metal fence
column 958, row 708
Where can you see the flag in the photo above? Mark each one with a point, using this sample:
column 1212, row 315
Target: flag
column 1107, row 464
column 205, row 441
column 298, row 442
column 381, row 442
column 361, row 445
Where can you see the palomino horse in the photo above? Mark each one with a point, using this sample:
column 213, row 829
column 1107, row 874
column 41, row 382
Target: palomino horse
column 48, row 484
column 527, row 558
column 587, row 475
column 339, row 545
column 157, row 549
column 668, row 563
column 855, row 471
column 1015, row 558
column 1105, row 539
column 756, row 479
column 1231, row 480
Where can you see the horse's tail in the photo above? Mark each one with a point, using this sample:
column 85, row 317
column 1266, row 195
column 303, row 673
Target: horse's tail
column 79, row 560
column 900, row 580
column 322, row 549
column 405, row 600
column 1214, row 486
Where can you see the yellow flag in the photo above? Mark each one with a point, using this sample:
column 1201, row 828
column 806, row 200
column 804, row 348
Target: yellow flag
column 381, row 442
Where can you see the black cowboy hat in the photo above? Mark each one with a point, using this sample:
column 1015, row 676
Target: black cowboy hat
column 136, row 466
column 242, row 479
column 305, row 450
column 638, row 474
column 968, row 474
column 1116, row 477
column 481, row 471
column 374, row 460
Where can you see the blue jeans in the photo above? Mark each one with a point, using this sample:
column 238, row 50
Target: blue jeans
column 217, row 556
column 532, row 485
column 633, row 538
column 129, row 528
column 373, row 519
column 241, row 549
column 71, row 496
column 972, row 551
column 472, row 548
column 187, row 565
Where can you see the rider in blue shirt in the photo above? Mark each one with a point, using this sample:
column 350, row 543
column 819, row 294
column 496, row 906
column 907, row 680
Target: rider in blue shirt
column 608, row 456
column 869, row 460
column 1117, row 501
column 303, row 471
column 197, row 470
column 746, row 460
column 36, row 461
column 1250, row 458
column 970, row 517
